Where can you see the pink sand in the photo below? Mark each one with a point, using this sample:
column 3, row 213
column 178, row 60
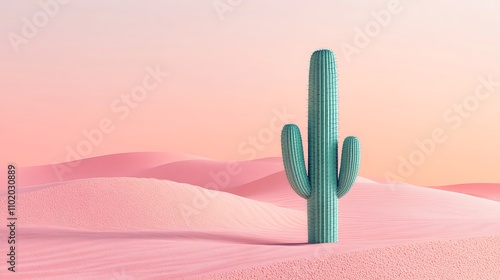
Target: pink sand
column 489, row 191
column 106, row 222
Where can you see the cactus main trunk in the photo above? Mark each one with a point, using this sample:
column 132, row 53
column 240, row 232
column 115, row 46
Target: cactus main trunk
column 322, row 184
column 323, row 147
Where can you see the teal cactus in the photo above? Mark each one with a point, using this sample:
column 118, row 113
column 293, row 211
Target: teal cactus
column 322, row 184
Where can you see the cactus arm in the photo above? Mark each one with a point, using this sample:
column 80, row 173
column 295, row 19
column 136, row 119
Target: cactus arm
column 349, row 166
column 293, row 159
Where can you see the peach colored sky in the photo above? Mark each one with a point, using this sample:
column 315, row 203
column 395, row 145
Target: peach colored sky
column 230, row 72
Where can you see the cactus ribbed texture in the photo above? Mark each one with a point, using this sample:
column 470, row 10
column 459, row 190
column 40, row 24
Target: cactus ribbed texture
column 321, row 184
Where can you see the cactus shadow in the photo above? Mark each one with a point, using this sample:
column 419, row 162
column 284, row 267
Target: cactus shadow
column 222, row 237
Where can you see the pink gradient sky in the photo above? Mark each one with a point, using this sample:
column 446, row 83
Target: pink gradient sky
column 227, row 76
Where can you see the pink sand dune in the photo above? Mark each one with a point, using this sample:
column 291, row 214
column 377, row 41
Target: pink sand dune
column 170, row 166
column 488, row 191
column 135, row 204
column 213, row 174
column 119, row 226
column 116, row 165
column 273, row 188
